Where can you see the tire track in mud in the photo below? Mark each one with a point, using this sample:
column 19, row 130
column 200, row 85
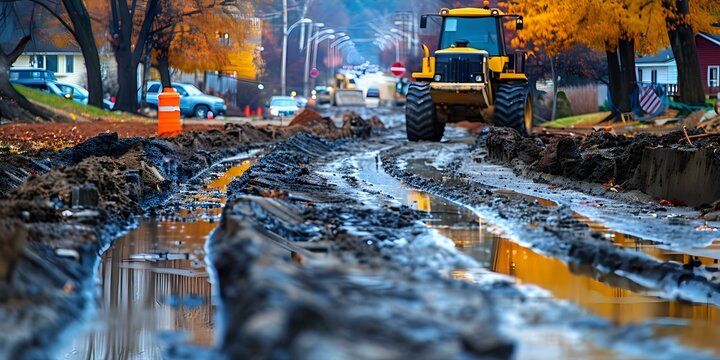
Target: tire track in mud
column 325, row 254
column 558, row 233
column 69, row 206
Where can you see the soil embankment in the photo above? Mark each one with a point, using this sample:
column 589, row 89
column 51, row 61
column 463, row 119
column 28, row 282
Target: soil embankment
column 665, row 167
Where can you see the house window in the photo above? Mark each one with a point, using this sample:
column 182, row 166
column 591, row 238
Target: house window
column 47, row 62
column 51, row 63
column 653, row 77
column 640, row 78
column 69, row 64
column 713, row 76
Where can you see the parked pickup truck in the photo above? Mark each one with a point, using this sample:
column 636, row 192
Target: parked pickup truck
column 193, row 102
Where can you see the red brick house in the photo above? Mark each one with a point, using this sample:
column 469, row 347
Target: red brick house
column 709, row 54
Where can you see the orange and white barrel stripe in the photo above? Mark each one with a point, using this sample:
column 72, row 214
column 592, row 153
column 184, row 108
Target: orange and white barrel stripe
column 169, row 122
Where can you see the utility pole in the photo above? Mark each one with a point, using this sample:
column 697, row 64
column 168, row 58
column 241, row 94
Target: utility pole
column 284, row 48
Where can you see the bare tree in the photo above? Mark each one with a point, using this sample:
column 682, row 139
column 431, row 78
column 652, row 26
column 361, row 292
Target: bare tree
column 13, row 105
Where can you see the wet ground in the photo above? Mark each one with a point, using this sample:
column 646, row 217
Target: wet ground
column 154, row 286
column 374, row 248
column 614, row 298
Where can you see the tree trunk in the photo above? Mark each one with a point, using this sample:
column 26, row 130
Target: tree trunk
column 682, row 41
column 127, row 54
column 86, row 40
column 621, row 73
column 14, row 106
column 163, row 63
column 127, row 80
column 555, row 89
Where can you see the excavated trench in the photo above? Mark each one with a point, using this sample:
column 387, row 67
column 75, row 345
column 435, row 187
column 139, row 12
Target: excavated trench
column 614, row 298
column 154, row 288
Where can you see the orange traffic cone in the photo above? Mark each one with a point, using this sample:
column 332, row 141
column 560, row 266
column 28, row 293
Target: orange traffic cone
column 247, row 111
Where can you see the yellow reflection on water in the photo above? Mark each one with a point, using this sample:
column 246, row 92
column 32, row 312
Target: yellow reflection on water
column 617, row 304
column 222, row 182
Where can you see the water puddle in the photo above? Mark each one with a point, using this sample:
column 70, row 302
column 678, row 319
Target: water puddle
column 154, row 287
column 705, row 256
column 614, row 298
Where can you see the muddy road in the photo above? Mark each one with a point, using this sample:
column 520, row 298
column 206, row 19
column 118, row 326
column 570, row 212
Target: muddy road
column 353, row 243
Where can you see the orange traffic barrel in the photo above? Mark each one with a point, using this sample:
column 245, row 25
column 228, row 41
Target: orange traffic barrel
column 169, row 123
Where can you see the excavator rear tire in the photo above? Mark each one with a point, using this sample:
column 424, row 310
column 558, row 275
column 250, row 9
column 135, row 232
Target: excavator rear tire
column 420, row 120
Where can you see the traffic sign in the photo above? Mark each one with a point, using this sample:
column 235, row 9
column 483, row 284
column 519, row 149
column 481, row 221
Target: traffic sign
column 397, row 69
column 314, row 72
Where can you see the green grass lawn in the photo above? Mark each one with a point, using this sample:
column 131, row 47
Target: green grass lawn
column 592, row 118
column 67, row 105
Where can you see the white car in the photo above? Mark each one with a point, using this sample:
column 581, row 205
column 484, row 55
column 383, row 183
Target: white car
column 280, row 106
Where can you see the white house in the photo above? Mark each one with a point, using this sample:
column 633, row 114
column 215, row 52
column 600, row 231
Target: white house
column 65, row 61
column 659, row 69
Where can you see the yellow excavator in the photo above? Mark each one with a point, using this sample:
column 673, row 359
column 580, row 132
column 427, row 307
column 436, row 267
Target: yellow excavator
column 472, row 76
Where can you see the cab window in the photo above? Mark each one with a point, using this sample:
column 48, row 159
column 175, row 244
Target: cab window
column 482, row 33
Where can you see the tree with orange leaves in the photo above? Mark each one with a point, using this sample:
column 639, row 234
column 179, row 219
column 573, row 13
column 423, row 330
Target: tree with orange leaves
column 198, row 35
column 618, row 27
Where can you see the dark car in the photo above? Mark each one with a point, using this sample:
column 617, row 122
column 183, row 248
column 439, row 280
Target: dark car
column 28, row 75
column 373, row 92
column 46, row 86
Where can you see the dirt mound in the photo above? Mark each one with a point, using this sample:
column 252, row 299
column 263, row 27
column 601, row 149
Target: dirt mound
column 305, row 117
column 603, row 157
column 264, row 241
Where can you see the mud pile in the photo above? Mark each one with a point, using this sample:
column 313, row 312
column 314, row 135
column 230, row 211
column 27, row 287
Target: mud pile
column 72, row 203
column 665, row 167
column 307, row 271
column 305, row 117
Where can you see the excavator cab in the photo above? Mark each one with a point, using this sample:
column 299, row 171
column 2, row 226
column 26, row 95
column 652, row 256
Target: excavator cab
column 472, row 76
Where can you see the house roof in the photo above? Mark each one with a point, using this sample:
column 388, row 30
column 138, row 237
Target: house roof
column 40, row 45
column 664, row 56
column 713, row 38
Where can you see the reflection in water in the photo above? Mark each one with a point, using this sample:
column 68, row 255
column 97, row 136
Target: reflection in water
column 226, row 178
column 154, row 283
column 708, row 256
column 695, row 325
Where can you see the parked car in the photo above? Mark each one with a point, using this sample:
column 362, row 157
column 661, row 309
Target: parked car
column 79, row 93
column 373, row 92
column 46, row 86
column 280, row 106
column 193, row 102
column 302, row 101
column 372, row 97
column 30, row 75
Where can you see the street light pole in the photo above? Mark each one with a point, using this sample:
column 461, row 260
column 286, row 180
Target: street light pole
column 332, row 54
column 329, row 35
column 284, row 47
column 311, row 36
column 286, row 34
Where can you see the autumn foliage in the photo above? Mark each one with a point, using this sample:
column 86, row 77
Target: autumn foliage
column 201, row 35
